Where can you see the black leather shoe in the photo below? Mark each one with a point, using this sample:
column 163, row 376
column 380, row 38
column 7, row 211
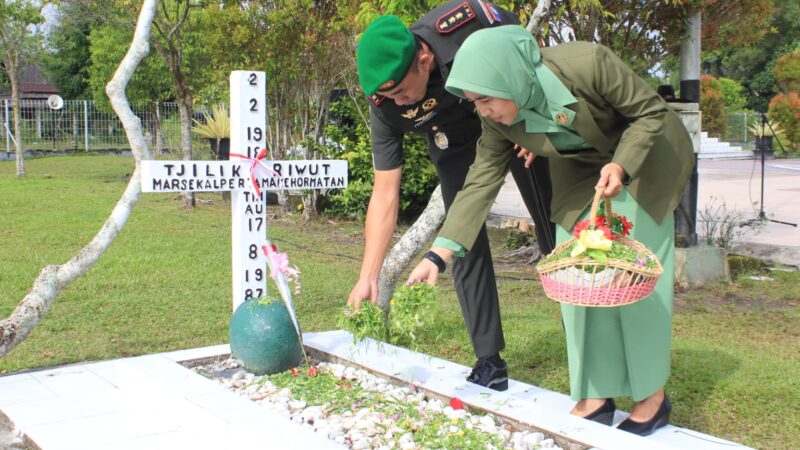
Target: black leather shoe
column 490, row 374
column 604, row 414
column 647, row 428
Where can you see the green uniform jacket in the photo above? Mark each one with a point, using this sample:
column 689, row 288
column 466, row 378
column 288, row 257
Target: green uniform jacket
column 617, row 113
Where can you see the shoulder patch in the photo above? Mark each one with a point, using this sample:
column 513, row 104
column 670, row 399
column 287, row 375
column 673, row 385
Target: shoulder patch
column 376, row 99
column 452, row 20
column 491, row 12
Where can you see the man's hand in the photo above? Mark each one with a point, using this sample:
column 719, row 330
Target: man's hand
column 611, row 179
column 523, row 152
column 363, row 290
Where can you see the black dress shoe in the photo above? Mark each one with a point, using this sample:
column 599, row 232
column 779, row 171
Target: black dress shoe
column 490, row 372
column 660, row 419
column 604, row 414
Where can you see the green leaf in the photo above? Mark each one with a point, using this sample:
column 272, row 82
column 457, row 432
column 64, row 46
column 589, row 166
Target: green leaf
column 597, row 255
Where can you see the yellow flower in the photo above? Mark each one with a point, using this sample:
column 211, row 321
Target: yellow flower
column 591, row 239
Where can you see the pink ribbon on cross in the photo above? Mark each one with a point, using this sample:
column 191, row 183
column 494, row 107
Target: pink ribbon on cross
column 254, row 163
column 279, row 263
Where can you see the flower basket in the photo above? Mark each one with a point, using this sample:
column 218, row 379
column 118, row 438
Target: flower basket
column 621, row 274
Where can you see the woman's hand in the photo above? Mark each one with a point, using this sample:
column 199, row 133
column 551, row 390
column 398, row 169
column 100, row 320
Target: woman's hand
column 523, row 152
column 426, row 271
column 611, row 176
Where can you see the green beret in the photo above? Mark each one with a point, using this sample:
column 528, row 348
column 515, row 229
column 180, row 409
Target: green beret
column 384, row 54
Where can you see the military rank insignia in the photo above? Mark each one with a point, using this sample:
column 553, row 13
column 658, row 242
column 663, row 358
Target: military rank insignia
column 462, row 14
column 491, row 12
column 376, row 99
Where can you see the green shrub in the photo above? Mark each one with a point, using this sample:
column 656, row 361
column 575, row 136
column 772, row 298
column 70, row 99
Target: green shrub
column 785, row 109
column 787, row 71
column 712, row 104
column 349, row 132
column 732, row 95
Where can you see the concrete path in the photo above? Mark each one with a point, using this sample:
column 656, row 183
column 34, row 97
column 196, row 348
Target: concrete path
column 737, row 183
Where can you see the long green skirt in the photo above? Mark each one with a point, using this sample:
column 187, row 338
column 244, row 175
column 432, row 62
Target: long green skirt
column 624, row 351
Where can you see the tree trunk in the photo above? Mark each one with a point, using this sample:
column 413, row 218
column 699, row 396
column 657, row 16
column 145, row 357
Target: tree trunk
column 13, row 78
column 185, row 112
column 55, row 278
column 408, row 246
column 172, row 57
column 538, row 16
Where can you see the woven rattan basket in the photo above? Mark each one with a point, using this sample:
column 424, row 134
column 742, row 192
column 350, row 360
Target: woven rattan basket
column 583, row 281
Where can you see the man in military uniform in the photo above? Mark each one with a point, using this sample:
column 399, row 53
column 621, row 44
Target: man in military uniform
column 403, row 71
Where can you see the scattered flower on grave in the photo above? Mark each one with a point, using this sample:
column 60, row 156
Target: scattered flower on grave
column 456, row 403
column 398, row 416
column 312, row 371
column 294, row 372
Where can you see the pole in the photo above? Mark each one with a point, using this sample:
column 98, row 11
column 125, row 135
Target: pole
column 8, row 129
column 86, row 125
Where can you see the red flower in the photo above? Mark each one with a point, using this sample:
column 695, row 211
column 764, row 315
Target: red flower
column 580, row 226
column 312, row 371
column 626, row 226
column 456, row 403
column 294, row 372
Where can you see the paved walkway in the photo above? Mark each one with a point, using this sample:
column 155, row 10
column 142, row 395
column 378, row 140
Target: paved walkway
column 738, row 185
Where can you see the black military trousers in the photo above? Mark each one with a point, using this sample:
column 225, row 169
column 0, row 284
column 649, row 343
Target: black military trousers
column 473, row 274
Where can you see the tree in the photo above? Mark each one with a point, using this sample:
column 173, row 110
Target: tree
column 55, row 278
column 19, row 44
column 68, row 50
column 752, row 64
column 177, row 42
column 304, row 46
column 149, row 84
column 643, row 33
column 712, row 105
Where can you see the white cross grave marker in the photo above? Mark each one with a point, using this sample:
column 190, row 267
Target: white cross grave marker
column 248, row 210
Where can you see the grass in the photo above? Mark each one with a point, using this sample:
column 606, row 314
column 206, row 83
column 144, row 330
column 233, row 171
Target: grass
column 164, row 284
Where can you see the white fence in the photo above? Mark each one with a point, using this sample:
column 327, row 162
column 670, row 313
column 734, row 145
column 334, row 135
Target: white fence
column 80, row 126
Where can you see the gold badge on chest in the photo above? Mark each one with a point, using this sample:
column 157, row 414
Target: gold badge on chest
column 429, row 104
column 411, row 113
column 440, row 139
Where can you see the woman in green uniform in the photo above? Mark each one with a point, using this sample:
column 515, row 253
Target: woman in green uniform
column 601, row 126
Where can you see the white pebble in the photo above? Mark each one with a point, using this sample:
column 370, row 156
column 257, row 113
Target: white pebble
column 312, row 413
column 530, row 441
column 296, row 405
column 547, row 443
column 361, row 444
column 454, row 413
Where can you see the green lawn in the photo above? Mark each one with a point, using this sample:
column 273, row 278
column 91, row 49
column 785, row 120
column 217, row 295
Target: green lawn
column 165, row 284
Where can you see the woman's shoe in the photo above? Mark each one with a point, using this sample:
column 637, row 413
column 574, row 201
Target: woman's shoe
column 660, row 419
column 604, row 414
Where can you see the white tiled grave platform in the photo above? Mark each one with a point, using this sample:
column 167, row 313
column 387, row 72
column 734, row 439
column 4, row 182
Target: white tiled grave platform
column 144, row 403
column 152, row 402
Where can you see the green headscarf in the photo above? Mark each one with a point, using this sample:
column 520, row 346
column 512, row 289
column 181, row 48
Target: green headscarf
column 505, row 62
